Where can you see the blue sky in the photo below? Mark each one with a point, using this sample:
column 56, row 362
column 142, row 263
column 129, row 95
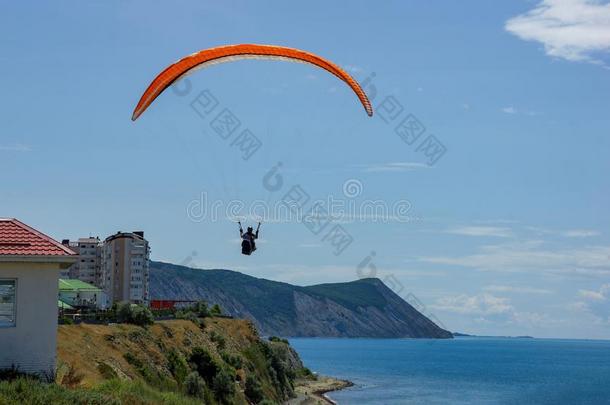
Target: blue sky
column 507, row 233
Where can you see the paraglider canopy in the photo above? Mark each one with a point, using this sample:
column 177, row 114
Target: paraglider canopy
column 230, row 53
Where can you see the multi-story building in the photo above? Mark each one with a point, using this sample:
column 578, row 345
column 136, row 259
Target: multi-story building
column 125, row 264
column 88, row 267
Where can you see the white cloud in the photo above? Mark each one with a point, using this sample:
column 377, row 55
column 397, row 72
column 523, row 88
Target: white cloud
column 486, row 308
column 513, row 110
column 501, row 232
column 575, row 30
column 481, row 304
column 394, row 167
column 497, row 221
column 18, row 147
column 530, row 256
column 580, row 233
column 592, row 295
column 595, row 304
column 578, row 306
column 602, row 294
column 516, row 289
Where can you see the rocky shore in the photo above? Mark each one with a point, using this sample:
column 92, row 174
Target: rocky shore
column 313, row 392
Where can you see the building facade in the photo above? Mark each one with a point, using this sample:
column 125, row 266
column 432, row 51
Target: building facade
column 88, row 267
column 30, row 263
column 118, row 265
column 125, row 267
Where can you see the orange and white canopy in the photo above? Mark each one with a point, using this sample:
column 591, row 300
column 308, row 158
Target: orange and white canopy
column 228, row 53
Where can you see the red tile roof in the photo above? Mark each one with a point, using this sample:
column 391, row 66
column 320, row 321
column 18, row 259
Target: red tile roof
column 16, row 238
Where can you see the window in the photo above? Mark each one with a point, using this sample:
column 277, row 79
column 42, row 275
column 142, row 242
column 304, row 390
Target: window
column 7, row 303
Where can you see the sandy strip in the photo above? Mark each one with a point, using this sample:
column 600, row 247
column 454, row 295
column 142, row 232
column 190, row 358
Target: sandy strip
column 313, row 392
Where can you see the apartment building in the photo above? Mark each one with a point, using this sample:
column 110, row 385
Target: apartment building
column 88, row 267
column 125, row 266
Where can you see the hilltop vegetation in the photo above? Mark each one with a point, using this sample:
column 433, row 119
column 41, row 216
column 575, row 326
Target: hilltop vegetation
column 214, row 361
column 361, row 308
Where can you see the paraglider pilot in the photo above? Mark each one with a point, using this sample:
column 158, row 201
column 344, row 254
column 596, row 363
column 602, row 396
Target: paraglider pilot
column 247, row 244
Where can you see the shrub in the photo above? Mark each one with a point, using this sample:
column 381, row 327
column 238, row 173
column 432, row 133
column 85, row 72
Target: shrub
column 224, row 385
column 177, row 365
column 72, row 378
column 66, row 320
column 106, row 371
column 278, row 340
column 216, row 310
column 123, row 312
column 306, row 373
column 204, row 364
column 233, row 360
column 201, row 308
column 279, row 369
column 218, row 339
column 194, row 385
column 254, row 390
column 134, row 392
column 142, row 316
column 150, row 374
column 33, row 391
column 135, row 314
column 189, row 316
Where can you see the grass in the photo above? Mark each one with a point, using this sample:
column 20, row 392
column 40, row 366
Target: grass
column 129, row 364
column 138, row 392
column 31, row 391
column 132, row 364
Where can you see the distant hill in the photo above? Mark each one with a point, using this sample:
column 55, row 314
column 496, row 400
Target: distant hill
column 362, row 308
column 458, row 334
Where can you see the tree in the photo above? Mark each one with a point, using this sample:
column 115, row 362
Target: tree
column 254, row 390
column 123, row 312
column 177, row 365
column 136, row 314
column 224, row 385
column 204, row 364
column 142, row 316
column 216, row 310
column 202, row 310
column 194, row 385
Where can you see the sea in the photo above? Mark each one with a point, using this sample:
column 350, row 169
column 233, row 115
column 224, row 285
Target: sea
column 464, row 370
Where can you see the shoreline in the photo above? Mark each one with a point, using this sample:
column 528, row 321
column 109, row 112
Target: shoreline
column 313, row 392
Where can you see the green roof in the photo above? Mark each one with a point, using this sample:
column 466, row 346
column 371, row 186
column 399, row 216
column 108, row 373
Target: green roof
column 61, row 304
column 76, row 285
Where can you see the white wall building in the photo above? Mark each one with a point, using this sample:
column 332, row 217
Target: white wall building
column 30, row 263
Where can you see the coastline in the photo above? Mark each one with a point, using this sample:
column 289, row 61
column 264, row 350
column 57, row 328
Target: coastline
column 313, row 392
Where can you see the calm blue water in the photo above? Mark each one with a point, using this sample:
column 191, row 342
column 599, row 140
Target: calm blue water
column 463, row 370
